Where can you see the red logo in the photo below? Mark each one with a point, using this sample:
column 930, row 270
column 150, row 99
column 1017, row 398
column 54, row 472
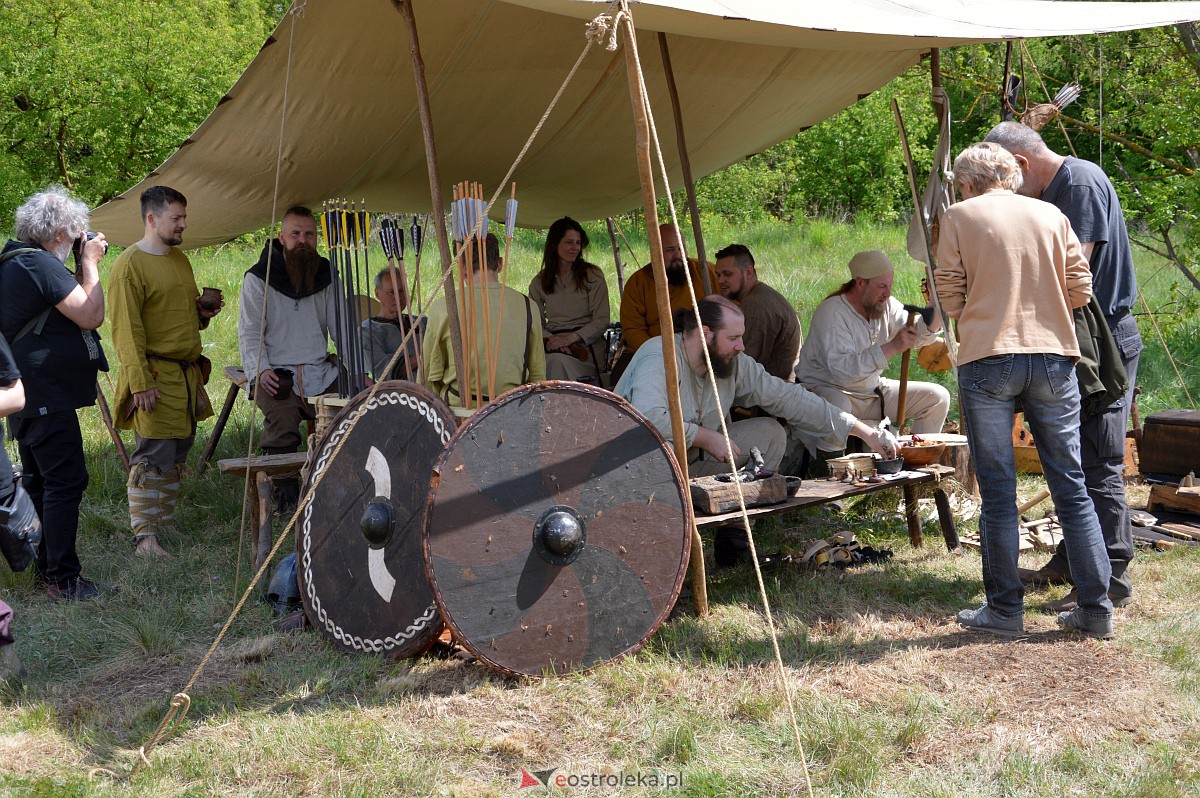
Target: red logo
column 529, row 780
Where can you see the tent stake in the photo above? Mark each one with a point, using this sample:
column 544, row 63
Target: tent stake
column 688, row 183
column 650, row 204
column 435, row 181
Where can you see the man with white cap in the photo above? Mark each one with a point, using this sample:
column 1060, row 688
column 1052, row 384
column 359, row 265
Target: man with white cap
column 851, row 336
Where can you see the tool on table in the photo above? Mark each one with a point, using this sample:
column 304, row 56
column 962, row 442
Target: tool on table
column 755, row 468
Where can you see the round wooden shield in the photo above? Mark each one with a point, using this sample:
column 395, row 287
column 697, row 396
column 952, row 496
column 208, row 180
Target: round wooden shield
column 557, row 530
column 359, row 540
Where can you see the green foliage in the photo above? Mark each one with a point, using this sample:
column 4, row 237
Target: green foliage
column 94, row 95
column 848, row 165
column 1138, row 118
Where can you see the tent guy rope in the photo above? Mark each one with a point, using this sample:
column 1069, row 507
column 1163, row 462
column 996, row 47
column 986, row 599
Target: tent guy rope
column 642, row 97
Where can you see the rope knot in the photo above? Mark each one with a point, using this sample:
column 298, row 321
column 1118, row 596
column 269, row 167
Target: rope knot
column 605, row 26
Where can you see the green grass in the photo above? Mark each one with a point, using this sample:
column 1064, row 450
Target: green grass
column 891, row 699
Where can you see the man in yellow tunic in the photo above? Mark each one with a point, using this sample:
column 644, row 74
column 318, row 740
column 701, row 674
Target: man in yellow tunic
column 513, row 335
column 156, row 321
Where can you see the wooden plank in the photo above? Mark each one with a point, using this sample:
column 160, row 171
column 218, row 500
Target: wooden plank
column 822, row 491
column 270, row 464
column 1167, row 496
column 1184, row 531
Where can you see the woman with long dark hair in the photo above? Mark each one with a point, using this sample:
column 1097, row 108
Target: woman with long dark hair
column 573, row 297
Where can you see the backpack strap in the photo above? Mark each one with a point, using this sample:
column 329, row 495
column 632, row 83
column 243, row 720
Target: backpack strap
column 38, row 322
column 12, row 253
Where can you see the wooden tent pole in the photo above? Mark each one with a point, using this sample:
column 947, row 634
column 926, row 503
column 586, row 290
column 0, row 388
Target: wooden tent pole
column 435, row 184
column 688, row 183
column 612, row 234
column 650, row 204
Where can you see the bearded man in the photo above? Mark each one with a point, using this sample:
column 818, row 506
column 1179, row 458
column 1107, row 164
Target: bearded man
column 850, row 338
column 156, row 322
column 639, row 308
column 740, row 381
column 286, row 351
column 773, row 335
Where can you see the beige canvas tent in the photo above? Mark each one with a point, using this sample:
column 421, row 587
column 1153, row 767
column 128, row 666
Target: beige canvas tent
column 750, row 73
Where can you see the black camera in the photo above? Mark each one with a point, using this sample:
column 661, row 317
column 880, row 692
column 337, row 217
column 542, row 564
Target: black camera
column 79, row 243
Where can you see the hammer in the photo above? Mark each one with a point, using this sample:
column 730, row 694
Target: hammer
column 926, row 314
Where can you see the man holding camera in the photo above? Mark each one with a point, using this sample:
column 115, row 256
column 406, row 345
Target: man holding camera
column 157, row 316
column 49, row 317
column 285, row 349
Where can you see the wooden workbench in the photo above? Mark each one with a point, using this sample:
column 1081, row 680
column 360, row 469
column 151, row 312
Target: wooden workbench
column 814, row 492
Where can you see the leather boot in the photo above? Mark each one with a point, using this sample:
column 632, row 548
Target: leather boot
column 285, row 491
column 730, row 546
column 1043, row 577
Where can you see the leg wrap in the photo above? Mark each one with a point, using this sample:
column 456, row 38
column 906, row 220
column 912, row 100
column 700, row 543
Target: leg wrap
column 168, row 490
column 144, row 500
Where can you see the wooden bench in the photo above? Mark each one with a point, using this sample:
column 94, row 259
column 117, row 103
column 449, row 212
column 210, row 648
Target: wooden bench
column 261, row 469
column 814, row 492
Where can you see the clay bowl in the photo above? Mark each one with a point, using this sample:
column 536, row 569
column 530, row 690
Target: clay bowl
column 923, row 454
column 893, row 466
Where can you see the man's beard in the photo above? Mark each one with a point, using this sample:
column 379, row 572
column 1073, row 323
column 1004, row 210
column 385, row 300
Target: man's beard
column 676, row 274
column 63, row 252
column 876, row 310
column 302, row 264
column 721, row 367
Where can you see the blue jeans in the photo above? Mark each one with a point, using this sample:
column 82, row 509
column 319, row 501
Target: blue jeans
column 1046, row 387
column 1103, row 457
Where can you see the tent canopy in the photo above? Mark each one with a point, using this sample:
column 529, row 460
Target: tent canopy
column 750, row 73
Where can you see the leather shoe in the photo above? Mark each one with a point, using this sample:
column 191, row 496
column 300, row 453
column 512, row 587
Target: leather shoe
column 1042, row 577
column 1071, row 601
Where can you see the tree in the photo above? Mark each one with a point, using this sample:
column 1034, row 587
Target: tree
column 95, row 94
column 1139, row 118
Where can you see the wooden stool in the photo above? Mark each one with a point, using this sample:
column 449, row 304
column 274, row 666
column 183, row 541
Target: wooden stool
column 261, row 469
column 237, row 381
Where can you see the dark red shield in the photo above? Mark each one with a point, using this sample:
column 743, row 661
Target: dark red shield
column 557, row 530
